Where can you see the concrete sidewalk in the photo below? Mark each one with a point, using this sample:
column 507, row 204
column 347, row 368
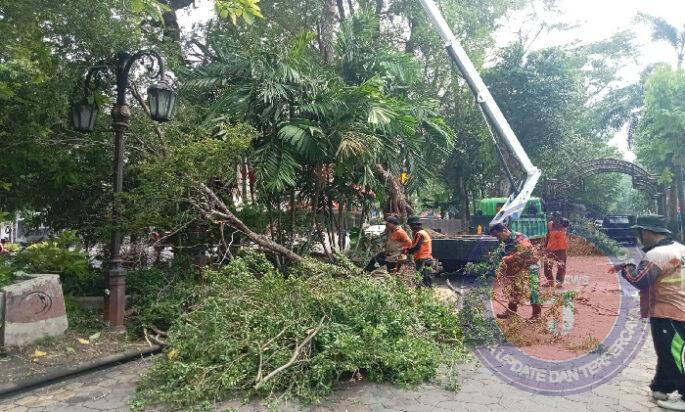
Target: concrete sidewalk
column 480, row 390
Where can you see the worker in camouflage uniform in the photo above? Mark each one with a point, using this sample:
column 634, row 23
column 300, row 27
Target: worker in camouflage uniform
column 519, row 265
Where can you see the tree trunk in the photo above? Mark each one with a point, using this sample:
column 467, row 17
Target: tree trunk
column 292, row 217
column 681, row 199
column 216, row 210
column 398, row 201
column 341, row 235
column 244, row 178
column 171, row 29
column 410, row 46
column 673, row 204
column 251, row 180
column 331, row 225
column 350, row 7
column 269, row 210
column 327, row 30
column 464, row 201
column 341, row 10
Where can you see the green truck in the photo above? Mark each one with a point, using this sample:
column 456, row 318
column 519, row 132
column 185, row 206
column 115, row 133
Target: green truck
column 454, row 253
column 532, row 222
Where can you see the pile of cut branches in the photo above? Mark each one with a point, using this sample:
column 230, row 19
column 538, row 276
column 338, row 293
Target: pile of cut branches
column 297, row 335
column 594, row 238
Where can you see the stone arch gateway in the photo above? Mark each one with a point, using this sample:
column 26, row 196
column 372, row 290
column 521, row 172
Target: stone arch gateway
column 642, row 179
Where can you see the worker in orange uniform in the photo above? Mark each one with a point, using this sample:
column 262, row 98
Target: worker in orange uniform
column 397, row 241
column 422, row 250
column 555, row 250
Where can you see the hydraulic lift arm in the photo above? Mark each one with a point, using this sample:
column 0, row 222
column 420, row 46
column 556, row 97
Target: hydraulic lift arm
column 493, row 116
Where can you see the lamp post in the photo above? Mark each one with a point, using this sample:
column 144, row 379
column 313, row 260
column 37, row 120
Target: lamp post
column 161, row 99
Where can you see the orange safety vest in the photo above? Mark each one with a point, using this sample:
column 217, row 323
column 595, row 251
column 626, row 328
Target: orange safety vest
column 556, row 237
column 426, row 249
column 398, row 240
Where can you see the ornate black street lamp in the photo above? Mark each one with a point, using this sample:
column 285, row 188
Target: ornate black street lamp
column 162, row 100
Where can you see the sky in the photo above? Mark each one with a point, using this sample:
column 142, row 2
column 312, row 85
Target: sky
column 594, row 19
column 599, row 19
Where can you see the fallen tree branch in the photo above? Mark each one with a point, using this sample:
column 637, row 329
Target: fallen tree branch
column 261, row 352
column 460, row 295
column 227, row 246
column 215, row 208
column 293, row 359
column 158, row 331
column 155, row 339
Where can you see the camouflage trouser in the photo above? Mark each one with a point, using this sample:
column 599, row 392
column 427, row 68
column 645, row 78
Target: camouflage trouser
column 532, row 276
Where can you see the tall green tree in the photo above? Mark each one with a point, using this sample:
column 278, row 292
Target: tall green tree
column 660, row 142
column 665, row 32
column 46, row 50
column 553, row 99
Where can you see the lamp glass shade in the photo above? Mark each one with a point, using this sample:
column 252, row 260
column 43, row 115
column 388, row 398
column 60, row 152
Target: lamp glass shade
column 83, row 116
column 162, row 101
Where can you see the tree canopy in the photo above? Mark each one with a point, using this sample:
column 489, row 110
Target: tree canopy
column 292, row 116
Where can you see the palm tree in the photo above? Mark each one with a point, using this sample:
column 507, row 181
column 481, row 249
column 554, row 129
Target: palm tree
column 324, row 131
column 664, row 31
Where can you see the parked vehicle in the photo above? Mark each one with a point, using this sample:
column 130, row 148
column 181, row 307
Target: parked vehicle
column 532, row 222
column 455, row 252
column 34, row 236
column 618, row 228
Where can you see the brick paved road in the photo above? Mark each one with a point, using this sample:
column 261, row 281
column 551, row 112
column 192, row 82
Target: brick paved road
column 110, row 390
column 480, row 390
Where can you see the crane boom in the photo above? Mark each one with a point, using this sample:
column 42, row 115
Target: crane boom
column 493, row 115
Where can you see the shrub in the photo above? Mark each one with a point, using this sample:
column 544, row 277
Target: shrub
column 83, row 320
column 477, row 326
column 6, row 269
column 157, row 297
column 12, row 247
column 63, row 256
column 299, row 335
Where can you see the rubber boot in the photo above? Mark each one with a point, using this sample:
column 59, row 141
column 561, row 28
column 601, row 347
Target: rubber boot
column 511, row 310
column 537, row 311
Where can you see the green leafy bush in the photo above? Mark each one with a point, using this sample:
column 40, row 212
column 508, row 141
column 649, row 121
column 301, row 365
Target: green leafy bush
column 83, row 320
column 477, row 326
column 299, row 335
column 157, row 296
column 12, row 247
column 63, row 256
column 6, row 269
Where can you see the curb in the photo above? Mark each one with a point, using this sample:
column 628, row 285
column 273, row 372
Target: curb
column 50, row 377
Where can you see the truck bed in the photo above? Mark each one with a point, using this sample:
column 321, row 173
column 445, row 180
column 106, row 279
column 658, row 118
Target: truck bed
column 455, row 251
